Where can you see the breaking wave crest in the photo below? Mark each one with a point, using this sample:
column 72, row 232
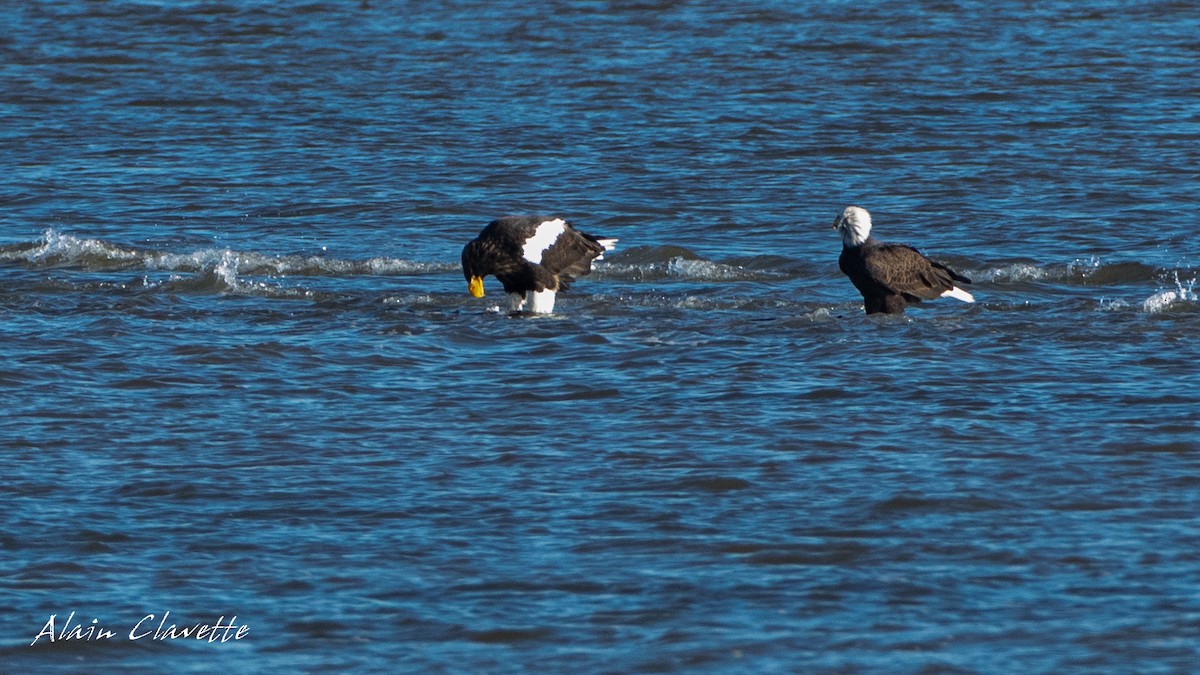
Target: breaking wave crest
column 1083, row 272
column 656, row 263
column 56, row 249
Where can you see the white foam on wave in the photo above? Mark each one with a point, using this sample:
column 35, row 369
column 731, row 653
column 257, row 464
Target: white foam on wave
column 1023, row 271
column 398, row 266
column 56, row 248
column 686, row 266
column 1010, row 273
column 707, row 270
column 259, row 264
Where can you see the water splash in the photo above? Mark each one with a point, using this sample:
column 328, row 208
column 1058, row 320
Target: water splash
column 1112, row 305
column 1084, row 268
column 1184, row 292
column 226, row 269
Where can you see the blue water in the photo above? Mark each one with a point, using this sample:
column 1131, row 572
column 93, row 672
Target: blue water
column 243, row 378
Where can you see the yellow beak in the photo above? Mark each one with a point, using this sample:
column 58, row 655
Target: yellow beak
column 475, row 286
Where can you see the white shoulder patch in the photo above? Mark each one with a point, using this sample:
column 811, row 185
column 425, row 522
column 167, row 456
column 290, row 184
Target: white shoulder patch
column 543, row 238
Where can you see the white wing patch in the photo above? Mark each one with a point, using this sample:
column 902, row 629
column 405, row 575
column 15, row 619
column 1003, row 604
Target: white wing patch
column 608, row 244
column 958, row 294
column 543, row 238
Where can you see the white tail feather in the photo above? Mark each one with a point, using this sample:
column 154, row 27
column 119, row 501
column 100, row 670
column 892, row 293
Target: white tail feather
column 958, row 294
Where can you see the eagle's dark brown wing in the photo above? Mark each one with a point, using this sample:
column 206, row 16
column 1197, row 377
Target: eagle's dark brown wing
column 904, row 270
column 571, row 255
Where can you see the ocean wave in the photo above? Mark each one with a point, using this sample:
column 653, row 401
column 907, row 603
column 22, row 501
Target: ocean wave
column 56, row 249
column 225, row 276
column 225, row 270
column 655, row 263
column 1013, row 272
column 1090, row 271
column 683, row 269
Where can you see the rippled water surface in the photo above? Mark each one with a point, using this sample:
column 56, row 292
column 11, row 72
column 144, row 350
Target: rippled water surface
column 243, row 378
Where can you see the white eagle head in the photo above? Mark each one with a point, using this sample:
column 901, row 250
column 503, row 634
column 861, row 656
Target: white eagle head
column 854, row 225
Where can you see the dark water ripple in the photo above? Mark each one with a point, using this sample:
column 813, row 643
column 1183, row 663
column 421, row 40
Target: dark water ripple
column 242, row 375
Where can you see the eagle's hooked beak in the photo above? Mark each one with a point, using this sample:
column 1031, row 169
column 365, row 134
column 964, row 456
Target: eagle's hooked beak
column 475, row 286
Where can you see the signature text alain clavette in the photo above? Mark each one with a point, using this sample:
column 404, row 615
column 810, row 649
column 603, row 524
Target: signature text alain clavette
column 150, row 627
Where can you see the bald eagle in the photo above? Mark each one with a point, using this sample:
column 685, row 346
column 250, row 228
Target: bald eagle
column 891, row 276
column 534, row 257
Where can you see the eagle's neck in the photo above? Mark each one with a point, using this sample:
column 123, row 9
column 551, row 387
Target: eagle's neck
column 862, row 244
